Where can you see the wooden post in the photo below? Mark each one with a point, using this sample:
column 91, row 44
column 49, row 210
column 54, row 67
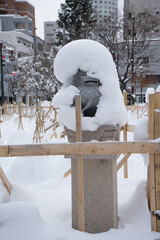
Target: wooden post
column 125, row 137
column 157, row 158
column 151, row 132
column 5, row 181
column 20, row 124
column 137, row 107
column 0, row 120
column 81, row 224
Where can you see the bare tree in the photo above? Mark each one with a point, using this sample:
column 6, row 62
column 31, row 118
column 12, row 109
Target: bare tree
column 126, row 38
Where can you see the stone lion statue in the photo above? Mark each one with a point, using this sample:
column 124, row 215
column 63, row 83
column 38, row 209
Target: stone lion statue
column 89, row 91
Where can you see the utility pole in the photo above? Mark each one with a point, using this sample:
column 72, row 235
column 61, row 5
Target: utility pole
column 2, row 82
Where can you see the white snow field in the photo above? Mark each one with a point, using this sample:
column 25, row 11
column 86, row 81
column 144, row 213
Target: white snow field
column 39, row 207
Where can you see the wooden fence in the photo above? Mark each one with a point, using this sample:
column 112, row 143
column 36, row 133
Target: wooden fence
column 79, row 149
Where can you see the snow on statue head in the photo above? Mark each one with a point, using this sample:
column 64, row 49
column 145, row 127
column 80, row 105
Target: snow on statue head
column 86, row 67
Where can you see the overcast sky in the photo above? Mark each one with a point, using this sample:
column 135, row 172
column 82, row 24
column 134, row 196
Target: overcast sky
column 47, row 10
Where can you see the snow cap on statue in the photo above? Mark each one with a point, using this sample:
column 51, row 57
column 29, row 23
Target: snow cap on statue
column 95, row 59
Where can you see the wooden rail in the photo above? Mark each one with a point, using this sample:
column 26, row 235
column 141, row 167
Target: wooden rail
column 87, row 148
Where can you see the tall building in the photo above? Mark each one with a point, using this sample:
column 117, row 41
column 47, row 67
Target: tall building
column 18, row 7
column 105, row 7
column 131, row 6
column 50, row 30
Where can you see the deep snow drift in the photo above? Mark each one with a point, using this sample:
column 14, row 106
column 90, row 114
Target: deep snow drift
column 93, row 58
column 40, row 204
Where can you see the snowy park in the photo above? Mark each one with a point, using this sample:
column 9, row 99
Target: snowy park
column 40, row 203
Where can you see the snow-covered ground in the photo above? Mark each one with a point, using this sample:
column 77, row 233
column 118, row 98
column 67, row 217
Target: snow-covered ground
column 39, row 207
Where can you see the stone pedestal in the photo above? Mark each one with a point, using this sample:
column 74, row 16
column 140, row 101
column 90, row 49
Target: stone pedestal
column 100, row 183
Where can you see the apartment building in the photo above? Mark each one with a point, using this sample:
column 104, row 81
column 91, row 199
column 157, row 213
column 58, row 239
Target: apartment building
column 50, row 30
column 131, row 6
column 18, row 7
column 105, row 7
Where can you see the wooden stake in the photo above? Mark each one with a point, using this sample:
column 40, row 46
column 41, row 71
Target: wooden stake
column 124, row 159
column 67, row 173
column 157, row 158
column 81, row 224
column 5, row 181
column 152, row 162
column 137, row 107
column 125, row 137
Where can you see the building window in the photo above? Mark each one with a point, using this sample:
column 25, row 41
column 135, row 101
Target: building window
column 143, row 59
column 100, row 6
column 29, row 26
column 129, row 15
column 157, row 13
column 20, row 25
column 49, row 25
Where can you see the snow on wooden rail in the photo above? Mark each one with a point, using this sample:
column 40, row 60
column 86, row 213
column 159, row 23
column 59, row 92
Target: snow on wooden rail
column 86, row 148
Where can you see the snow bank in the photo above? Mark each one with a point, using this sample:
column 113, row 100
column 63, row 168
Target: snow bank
column 141, row 134
column 158, row 89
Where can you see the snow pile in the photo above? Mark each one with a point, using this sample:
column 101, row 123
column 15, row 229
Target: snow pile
column 141, row 134
column 39, row 207
column 93, row 58
column 141, row 130
column 148, row 92
column 158, row 89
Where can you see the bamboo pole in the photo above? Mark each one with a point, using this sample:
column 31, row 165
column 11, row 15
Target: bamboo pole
column 81, row 220
column 125, row 137
column 151, row 132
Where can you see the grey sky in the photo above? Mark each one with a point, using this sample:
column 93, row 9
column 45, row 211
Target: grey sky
column 47, row 10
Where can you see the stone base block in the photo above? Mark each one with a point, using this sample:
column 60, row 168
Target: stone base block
column 100, row 184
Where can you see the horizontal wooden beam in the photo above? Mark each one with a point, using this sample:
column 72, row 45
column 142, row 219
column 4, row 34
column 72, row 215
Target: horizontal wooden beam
column 111, row 147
